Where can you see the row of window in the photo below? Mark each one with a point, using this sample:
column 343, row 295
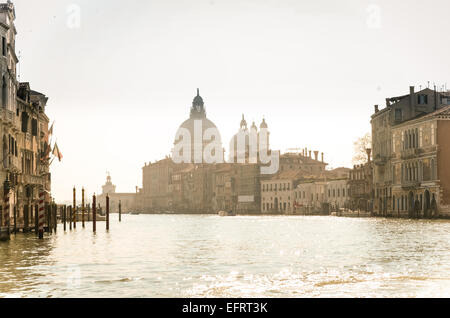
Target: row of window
column 413, row 138
column 276, row 187
column 404, row 204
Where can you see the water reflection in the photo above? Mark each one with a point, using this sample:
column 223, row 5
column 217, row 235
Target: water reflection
column 209, row 256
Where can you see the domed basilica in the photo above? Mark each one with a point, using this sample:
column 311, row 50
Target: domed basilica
column 197, row 125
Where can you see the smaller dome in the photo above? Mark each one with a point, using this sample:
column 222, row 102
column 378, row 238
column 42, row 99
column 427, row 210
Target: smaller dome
column 264, row 124
column 243, row 122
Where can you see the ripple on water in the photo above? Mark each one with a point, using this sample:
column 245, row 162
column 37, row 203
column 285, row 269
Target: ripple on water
column 208, row 256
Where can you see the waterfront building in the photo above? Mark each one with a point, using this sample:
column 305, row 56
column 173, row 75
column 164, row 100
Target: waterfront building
column 420, row 166
column 247, row 188
column 361, row 186
column 26, row 151
column 129, row 201
column 311, row 197
column 224, row 188
column 387, row 170
column 156, row 181
column 197, row 125
column 303, row 161
column 277, row 192
column 337, row 192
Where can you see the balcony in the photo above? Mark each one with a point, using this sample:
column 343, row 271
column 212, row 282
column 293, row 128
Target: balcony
column 410, row 153
column 31, row 180
column 410, row 185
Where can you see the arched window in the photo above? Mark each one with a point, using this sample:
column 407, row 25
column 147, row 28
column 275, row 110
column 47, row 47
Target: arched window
column 433, row 170
column 5, row 152
column 4, row 93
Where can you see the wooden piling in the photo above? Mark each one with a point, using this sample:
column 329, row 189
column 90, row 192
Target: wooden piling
column 26, row 215
column 41, row 214
column 94, row 216
column 82, row 207
column 55, row 217
column 74, row 212
column 70, row 218
column 120, row 211
column 15, row 219
column 107, row 212
column 64, row 209
column 36, row 219
column 48, row 217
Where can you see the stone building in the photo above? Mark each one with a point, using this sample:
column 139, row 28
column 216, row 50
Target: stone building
column 224, row 188
column 24, row 131
column 129, row 201
column 337, row 194
column 399, row 112
column 247, row 188
column 277, row 192
column 361, row 186
column 157, row 182
column 311, row 197
column 420, row 166
column 196, row 143
column 303, row 161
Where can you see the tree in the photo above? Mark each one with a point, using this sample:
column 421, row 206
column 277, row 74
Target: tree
column 361, row 145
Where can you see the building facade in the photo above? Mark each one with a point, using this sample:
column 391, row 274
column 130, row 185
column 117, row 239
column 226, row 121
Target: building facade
column 25, row 168
column 398, row 143
column 128, row 201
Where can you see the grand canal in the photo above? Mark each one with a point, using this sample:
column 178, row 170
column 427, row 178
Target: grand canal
column 210, row 256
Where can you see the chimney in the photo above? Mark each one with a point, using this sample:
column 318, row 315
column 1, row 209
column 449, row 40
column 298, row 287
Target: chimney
column 376, row 109
column 436, row 99
column 322, row 158
column 316, row 155
column 369, row 152
column 388, row 102
column 411, row 101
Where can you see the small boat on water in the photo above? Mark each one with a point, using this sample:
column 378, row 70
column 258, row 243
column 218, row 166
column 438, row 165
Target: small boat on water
column 135, row 213
column 224, row 213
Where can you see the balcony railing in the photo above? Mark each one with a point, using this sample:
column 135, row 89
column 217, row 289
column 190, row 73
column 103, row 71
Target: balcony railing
column 410, row 184
column 410, row 153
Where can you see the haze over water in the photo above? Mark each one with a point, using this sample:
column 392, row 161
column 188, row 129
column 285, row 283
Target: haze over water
column 209, row 256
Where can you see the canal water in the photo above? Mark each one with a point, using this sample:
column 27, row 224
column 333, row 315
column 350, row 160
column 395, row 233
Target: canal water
column 210, row 256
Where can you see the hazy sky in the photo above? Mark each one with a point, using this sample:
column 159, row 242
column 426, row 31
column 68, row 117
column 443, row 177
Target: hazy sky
column 122, row 82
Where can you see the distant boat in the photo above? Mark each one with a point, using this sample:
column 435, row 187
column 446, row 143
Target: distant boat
column 224, row 213
column 135, row 213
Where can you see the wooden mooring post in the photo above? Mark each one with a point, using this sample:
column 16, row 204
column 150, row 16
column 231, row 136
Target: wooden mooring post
column 48, row 217
column 15, row 218
column 41, row 213
column 64, row 209
column 70, row 218
column 36, row 219
column 55, row 218
column 120, row 211
column 82, row 207
column 107, row 212
column 94, row 214
column 74, row 208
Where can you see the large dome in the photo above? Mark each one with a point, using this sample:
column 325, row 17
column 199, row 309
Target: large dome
column 197, row 119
